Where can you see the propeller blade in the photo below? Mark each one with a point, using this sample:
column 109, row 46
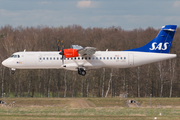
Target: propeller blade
column 58, row 45
column 62, row 51
column 63, row 59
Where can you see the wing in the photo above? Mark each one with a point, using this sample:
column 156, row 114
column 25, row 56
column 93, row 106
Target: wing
column 87, row 51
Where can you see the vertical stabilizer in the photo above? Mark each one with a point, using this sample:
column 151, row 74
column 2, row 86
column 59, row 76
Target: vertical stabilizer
column 161, row 43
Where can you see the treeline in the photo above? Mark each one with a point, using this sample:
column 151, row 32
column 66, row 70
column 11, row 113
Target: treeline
column 159, row 79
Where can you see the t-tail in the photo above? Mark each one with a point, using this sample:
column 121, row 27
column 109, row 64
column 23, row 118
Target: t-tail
column 161, row 43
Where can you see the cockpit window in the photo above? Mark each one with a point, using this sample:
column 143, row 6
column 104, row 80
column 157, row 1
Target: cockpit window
column 15, row 56
column 12, row 55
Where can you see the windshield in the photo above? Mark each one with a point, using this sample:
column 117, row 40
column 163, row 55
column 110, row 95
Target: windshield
column 12, row 55
column 15, row 56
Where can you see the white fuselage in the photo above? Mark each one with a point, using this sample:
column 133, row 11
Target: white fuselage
column 101, row 59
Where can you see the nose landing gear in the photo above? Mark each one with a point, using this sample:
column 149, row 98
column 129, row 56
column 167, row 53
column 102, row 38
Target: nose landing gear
column 81, row 71
column 13, row 70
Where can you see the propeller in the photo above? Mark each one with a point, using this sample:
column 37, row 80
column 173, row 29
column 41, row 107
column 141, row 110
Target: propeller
column 62, row 51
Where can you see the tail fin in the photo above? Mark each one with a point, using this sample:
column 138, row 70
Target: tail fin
column 161, row 43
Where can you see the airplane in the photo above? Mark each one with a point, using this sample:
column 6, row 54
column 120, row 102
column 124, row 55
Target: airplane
column 80, row 59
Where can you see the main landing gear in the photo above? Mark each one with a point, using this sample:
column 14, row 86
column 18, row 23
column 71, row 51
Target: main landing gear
column 81, row 71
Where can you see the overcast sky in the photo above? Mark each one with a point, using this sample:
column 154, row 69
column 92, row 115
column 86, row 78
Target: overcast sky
column 128, row 14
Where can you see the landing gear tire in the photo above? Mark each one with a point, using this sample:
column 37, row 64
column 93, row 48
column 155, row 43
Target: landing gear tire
column 81, row 72
column 12, row 72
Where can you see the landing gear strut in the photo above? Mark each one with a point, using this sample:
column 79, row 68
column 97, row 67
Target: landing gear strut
column 81, row 71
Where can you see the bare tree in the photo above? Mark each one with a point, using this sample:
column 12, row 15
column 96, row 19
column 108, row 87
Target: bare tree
column 44, row 79
column 147, row 80
column 9, row 91
column 2, row 78
column 29, row 85
column 172, row 64
column 40, row 89
column 93, row 86
column 82, row 86
column 104, row 70
column 57, row 84
column 65, row 71
column 19, row 85
column 138, row 78
column 87, row 82
column 111, row 74
column 124, row 83
column 162, row 71
column 49, row 85
column 73, row 83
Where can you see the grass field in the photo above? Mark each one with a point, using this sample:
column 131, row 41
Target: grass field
column 90, row 108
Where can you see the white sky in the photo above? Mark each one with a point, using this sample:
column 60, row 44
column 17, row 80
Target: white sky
column 128, row 14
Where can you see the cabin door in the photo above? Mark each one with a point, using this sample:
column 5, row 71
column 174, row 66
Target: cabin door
column 131, row 59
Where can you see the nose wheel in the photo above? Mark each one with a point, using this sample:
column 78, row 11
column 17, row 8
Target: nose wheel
column 13, row 70
column 81, row 71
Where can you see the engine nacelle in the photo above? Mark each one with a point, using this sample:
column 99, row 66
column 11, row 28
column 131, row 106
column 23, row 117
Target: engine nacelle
column 68, row 53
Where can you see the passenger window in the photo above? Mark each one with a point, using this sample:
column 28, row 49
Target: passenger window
column 86, row 58
column 89, row 58
column 111, row 58
column 93, row 58
column 67, row 58
column 75, row 58
column 121, row 58
column 61, row 58
column 107, row 58
column 78, row 58
column 124, row 57
column 96, row 58
column 118, row 58
column 18, row 56
column 71, row 58
column 57, row 58
column 54, row 58
column 114, row 57
column 47, row 58
column 104, row 58
column 50, row 58
column 43, row 58
column 100, row 58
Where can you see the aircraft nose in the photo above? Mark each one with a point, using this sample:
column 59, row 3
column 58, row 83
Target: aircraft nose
column 4, row 62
